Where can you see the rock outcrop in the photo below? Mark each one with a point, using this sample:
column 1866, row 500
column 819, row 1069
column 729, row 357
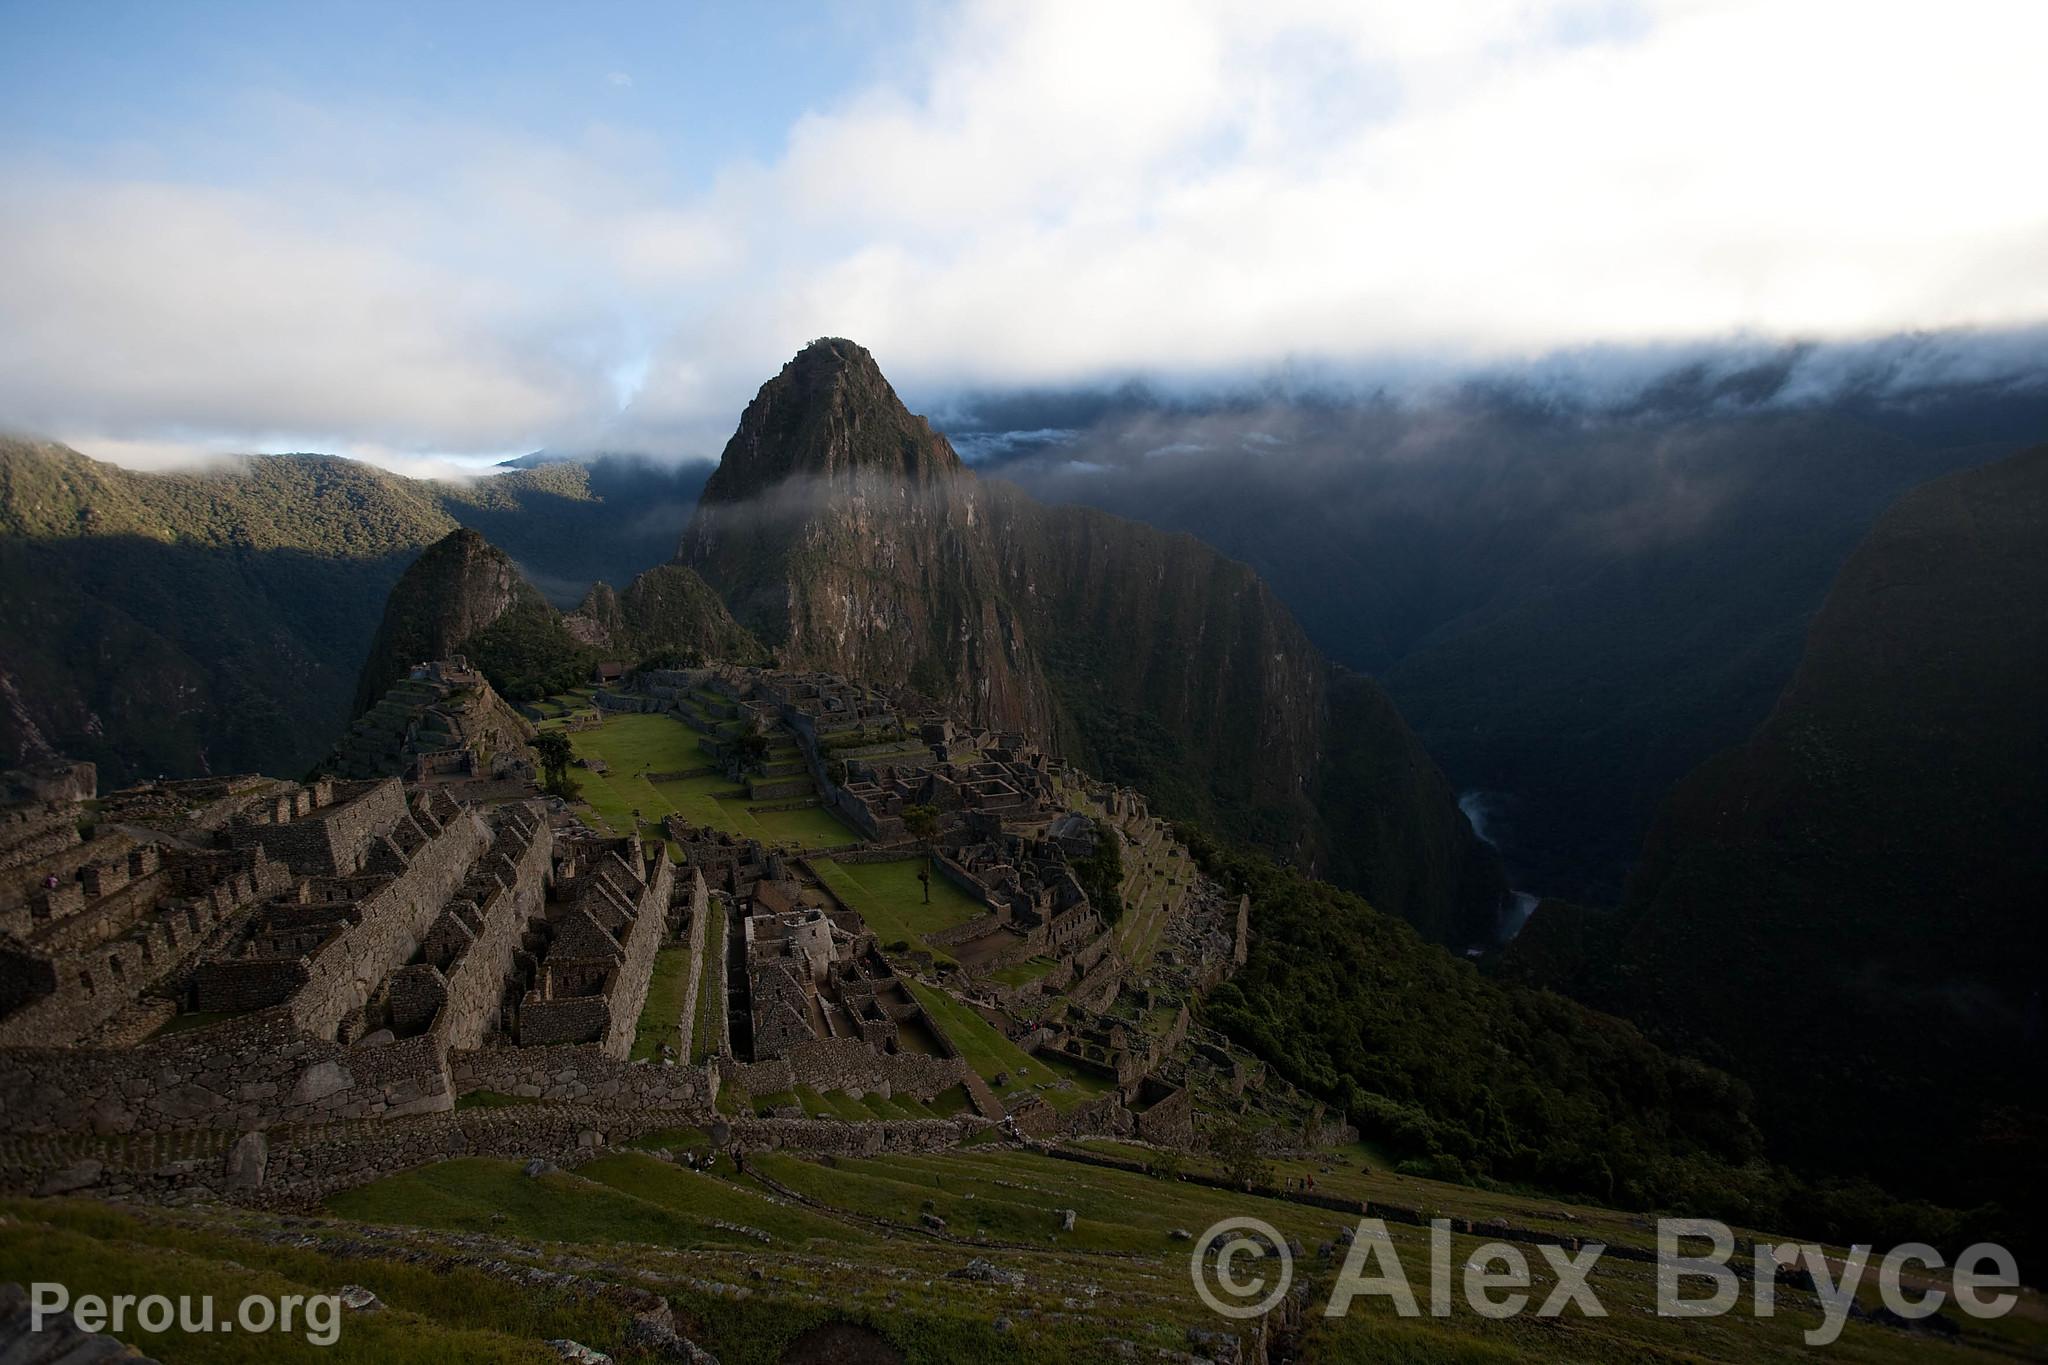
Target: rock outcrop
column 458, row 586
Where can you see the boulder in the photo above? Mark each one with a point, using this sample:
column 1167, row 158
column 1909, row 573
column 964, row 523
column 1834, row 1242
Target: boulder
column 1066, row 1220
column 357, row 1299
column 985, row 1272
column 76, row 1176
column 537, row 1168
column 248, row 1161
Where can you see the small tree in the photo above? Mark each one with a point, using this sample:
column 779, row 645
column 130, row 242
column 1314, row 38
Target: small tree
column 750, row 750
column 1235, row 1143
column 553, row 749
column 923, row 824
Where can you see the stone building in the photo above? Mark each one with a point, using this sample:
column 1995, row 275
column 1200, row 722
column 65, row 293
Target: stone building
column 586, row 963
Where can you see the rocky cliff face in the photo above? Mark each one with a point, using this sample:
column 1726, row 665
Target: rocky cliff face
column 848, row 536
column 845, row 534
column 457, row 587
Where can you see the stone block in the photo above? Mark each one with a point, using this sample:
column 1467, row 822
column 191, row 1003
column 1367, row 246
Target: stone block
column 321, row 1080
column 248, row 1161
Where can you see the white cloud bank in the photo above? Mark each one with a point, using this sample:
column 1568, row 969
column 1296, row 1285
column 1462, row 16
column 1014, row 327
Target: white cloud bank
column 1056, row 191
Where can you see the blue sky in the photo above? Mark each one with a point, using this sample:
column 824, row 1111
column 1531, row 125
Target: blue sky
column 416, row 232
column 181, row 88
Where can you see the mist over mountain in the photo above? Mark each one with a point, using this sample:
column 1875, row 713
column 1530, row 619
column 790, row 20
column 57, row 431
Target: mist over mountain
column 847, row 535
column 1578, row 579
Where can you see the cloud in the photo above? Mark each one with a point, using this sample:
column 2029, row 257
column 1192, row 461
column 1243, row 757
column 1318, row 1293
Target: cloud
column 1044, row 194
column 618, row 80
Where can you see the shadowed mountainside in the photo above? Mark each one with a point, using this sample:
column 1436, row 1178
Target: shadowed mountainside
column 217, row 620
column 1846, row 910
column 1573, row 601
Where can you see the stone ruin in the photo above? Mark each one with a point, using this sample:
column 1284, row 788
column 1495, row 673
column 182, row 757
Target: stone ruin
column 269, row 952
column 246, row 954
column 441, row 722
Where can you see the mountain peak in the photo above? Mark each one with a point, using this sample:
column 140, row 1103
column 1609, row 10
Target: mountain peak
column 829, row 414
column 459, row 585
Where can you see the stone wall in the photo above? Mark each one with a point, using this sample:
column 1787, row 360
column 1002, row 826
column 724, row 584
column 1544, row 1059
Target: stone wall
column 649, row 930
column 249, row 1073
column 328, row 840
column 297, row 1169
column 1103, row 1116
column 1169, row 1121
column 836, row 1137
column 344, row 971
column 700, row 910
column 583, row 1072
column 1099, row 986
column 846, row 1064
column 90, row 984
column 476, row 978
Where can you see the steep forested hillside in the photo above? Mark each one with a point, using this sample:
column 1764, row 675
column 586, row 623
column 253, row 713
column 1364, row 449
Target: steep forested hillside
column 1847, row 909
column 1463, row 1077
column 1573, row 606
column 218, row 620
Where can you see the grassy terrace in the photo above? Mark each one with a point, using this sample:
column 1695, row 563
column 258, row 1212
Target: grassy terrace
column 634, row 745
column 838, row 1104
column 661, row 1017
column 1023, row 973
column 704, row 1031
column 890, row 899
column 1147, row 896
column 990, row 1053
column 848, row 1247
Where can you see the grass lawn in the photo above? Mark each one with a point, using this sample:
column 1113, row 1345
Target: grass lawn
column 705, row 1031
column 1023, row 973
column 633, row 744
column 661, row 1016
column 625, row 1198
column 811, row 827
column 890, row 899
column 628, row 1218
column 429, row 1314
column 989, row 1052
